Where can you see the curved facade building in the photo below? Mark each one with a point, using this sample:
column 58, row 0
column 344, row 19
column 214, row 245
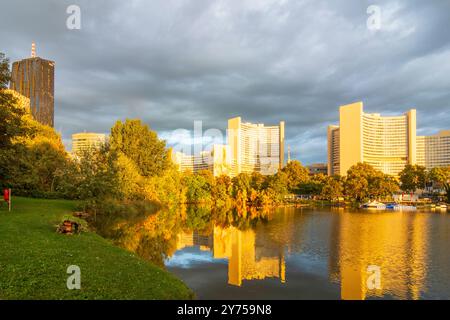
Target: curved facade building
column 386, row 143
column 255, row 147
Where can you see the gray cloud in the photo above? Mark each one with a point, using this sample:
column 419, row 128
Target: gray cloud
column 172, row 62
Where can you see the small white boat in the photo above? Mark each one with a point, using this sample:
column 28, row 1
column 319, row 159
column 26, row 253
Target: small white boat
column 374, row 205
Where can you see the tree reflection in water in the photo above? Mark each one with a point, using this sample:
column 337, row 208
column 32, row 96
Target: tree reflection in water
column 155, row 234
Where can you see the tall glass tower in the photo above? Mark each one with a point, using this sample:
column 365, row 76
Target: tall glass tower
column 34, row 78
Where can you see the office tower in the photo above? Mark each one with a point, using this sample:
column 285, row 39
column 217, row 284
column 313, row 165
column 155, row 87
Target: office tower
column 333, row 151
column 388, row 143
column 255, row 147
column 34, row 78
column 84, row 141
column 434, row 151
column 217, row 160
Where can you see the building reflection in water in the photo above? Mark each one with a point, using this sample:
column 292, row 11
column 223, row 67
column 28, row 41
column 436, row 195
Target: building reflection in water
column 403, row 245
column 397, row 243
column 247, row 259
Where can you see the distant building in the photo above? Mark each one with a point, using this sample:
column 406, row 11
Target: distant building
column 434, row 151
column 255, row 147
column 34, row 78
column 84, row 141
column 251, row 148
column 318, row 168
column 386, row 143
column 217, row 160
column 333, row 151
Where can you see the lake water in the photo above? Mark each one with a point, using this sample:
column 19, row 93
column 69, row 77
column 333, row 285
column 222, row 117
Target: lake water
column 296, row 253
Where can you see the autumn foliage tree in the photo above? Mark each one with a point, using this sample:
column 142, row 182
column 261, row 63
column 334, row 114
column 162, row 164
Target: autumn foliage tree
column 364, row 182
column 295, row 175
column 141, row 145
column 413, row 177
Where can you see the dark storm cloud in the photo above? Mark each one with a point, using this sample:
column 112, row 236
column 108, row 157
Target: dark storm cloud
column 173, row 62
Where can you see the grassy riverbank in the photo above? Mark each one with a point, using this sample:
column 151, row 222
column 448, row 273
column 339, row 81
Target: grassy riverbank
column 34, row 259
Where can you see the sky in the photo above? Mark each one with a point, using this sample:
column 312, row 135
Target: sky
column 173, row 62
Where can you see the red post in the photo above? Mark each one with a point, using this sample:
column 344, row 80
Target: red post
column 7, row 197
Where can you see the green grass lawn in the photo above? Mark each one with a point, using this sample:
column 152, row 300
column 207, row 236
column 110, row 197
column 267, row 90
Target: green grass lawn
column 34, row 260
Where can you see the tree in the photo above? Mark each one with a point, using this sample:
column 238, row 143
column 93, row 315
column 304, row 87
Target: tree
column 310, row 188
column 258, row 181
column 129, row 181
column 5, row 75
column 413, row 177
column 11, row 123
column 332, row 188
column 447, row 190
column 141, row 145
column 242, row 184
column 277, row 186
column 384, row 186
column 357, row 183
column 95, row 176
column 296, row 174
column 209, row 178
column 364, row 181
column 440, row 175
column 167, row 188
column 222, row 190
column 198, row 189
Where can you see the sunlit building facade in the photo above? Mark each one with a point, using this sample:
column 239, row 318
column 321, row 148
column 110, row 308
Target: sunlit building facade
column 34, row 78
column 333, row 151
column 255, row 147
column 251, row 148
column 82, row 142
column 217, row 160
column 388, row 143
column 434, row 151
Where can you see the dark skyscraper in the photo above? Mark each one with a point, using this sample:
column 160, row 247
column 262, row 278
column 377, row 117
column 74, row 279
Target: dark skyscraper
column 34, row 79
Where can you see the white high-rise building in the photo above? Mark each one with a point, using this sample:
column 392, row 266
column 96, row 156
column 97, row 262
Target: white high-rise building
column 256, row 147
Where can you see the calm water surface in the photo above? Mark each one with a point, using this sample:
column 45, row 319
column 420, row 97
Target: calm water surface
column 293, row 253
